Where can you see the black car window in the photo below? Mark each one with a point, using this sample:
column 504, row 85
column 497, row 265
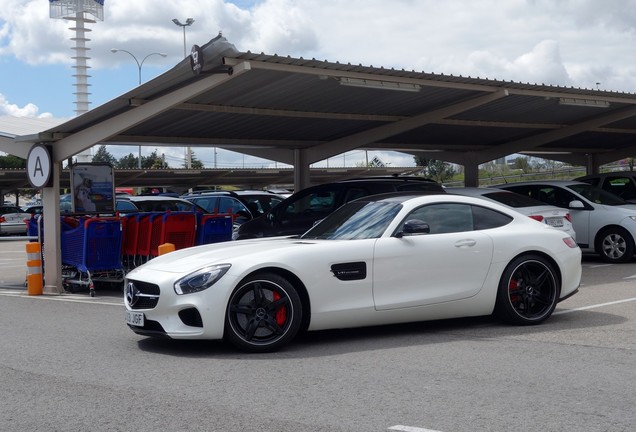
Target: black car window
column 227, row 204
column 318, row 203
column 258, row 204
column 208, row 203
column 484, row 218
column 514, row 200
column 443, row 217
column 621, row 186
column 355, row 193
column 596, row 195
column 420, row 186
column 124, row 206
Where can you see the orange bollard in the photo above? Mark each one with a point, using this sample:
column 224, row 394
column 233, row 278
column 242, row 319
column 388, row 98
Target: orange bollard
column 34, row 267
column 165, row 248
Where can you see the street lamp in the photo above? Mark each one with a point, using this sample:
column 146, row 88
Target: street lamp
column 139, row 66
column 188, row 23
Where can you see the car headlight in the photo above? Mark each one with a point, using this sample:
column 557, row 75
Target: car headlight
column 633, row 218
column 201, row 279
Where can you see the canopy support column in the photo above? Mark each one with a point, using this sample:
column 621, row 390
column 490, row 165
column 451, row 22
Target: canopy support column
column 301, row 170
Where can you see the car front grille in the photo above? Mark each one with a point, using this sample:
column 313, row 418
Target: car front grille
column 141, row 295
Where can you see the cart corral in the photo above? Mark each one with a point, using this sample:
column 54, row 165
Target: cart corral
column 98, row 250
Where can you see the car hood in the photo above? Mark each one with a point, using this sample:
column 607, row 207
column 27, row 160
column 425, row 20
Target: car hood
column 193, row 258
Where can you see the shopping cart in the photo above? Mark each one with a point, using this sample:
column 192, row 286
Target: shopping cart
column 91, row 252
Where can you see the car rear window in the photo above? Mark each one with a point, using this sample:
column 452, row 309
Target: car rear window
column 513, row 200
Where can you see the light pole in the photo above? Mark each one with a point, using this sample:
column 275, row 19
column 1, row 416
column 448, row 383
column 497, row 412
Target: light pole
column 188, row 23
column 139, row 66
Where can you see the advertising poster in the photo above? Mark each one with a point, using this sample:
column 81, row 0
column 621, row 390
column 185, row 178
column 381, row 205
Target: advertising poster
column 93, row 188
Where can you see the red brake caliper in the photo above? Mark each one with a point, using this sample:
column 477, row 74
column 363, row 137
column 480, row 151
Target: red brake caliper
column 281, row 313
column 512, row 287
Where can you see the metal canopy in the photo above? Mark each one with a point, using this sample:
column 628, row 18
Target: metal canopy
column 298, row 111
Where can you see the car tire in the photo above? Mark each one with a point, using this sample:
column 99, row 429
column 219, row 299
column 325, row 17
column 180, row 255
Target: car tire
column 264, row 313
column 615, row 245
column 528, row 291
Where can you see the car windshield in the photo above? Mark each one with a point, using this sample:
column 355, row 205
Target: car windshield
column 597, row 195
column 354, row 221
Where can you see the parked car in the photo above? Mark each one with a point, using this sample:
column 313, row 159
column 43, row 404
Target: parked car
column 13, row 220
column 382, row 259
column 604, row 223
column 245, row 204
column 33, row 209
column 621, row 183
column 154, row 203
column 303, row 209
column 548, row 214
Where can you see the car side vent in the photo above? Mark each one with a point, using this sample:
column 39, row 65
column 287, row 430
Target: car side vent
column 350, row 271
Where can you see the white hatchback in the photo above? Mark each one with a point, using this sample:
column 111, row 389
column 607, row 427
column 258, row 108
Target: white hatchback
column 605, row 224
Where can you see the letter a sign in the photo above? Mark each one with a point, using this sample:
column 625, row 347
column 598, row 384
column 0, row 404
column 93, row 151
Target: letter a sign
column 39, row 166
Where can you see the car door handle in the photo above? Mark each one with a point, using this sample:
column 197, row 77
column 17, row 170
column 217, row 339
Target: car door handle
column 465, row 243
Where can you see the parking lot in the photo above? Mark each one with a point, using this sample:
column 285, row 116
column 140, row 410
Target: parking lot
column 70, row 363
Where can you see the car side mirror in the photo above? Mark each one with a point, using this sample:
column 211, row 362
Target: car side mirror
column 413, row 227
column 576, row 204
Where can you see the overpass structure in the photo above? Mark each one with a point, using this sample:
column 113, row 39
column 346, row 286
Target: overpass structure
column 300, row 111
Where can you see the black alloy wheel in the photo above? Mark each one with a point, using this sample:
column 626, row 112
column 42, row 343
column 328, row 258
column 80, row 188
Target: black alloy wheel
column 264, row 314
column 528, row 291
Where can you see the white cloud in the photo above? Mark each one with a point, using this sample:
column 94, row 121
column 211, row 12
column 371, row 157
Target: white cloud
column 29, row 110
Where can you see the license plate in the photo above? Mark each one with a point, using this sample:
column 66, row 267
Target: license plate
column 554, row 221
column 135, row 318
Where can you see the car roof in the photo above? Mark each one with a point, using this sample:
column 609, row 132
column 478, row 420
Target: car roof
column 545, row 182
column 235, row 193
column 397, row 196
column 137, row 198
column 608, row 174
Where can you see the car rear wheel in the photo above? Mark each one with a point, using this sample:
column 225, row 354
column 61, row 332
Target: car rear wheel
column 264, row 314
column 528, row 291
column 615, row 245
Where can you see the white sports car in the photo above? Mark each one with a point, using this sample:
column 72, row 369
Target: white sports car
column 382, row 259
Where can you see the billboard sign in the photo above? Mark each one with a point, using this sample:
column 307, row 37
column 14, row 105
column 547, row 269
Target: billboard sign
column 93, row 188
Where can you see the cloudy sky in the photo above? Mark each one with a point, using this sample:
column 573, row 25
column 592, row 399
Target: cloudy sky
column 581, row 43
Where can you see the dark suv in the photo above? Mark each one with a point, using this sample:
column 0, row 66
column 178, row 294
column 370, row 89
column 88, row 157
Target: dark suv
column 245, row 204
column 302, row 210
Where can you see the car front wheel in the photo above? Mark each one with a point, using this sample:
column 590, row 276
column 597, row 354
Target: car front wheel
column 615, row 245
column 264, row 314
column 528, row 291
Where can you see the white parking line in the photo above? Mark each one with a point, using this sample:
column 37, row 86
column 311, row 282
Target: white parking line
column 410, row 429
column 561, row 312
column 65, row 298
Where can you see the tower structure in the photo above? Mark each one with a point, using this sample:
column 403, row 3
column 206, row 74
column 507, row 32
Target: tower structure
column 80, row 12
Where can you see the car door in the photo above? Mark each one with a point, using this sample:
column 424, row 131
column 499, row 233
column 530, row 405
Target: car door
column 449, row 263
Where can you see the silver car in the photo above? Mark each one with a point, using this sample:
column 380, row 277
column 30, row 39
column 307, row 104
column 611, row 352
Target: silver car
column 605, row 224
column 12, row 220
column 556, row 217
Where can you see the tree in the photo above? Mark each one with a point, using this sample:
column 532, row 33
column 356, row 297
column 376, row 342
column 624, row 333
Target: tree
column 523, row 163
column 194, row 162
column 126, row 162
column 103, row 155
column 438, row 170
column 10, row 161
column 152, row 162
